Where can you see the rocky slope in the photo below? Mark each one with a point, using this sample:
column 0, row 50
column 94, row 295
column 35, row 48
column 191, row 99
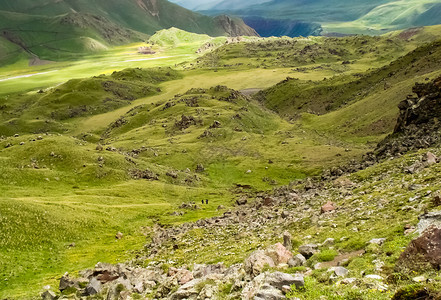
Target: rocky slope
column 418, row 123
column 339, row 237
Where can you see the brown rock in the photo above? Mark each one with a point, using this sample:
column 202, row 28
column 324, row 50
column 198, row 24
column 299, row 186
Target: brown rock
column 328, row 207
column 287, row 240
column 436, row 201
column 182, row 275
column 430, row 158
column 422, row 253
column 279, row 254
column 256, row 262
column 343, row 182
column 268, row 201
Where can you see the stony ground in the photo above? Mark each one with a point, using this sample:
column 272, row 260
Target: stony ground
column 367, row 234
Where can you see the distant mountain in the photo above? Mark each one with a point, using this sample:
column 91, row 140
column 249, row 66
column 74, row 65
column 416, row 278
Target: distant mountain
column 56, row 29
column 231, row 5
column 197, row 4
column 338, row 16
column 279, row 27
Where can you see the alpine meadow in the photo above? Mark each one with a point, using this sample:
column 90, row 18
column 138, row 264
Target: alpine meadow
column 261, row 149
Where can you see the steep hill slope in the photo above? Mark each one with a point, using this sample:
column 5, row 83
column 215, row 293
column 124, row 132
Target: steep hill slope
column 63, row 29
column 92, row 167
column 369, row 17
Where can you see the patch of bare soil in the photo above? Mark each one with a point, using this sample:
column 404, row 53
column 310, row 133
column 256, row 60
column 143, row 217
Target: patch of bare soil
column 341, row 258
column 35, row 61
column 249, row 92
column 407, row 34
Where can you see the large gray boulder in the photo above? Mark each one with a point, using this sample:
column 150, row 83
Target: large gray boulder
column 297, row 261
column 48, row 295
column 94, row 287
column 308, row 250
column 256, row 262
column 279, row 279
column 268, row 292
column 429, row 219
column 271, row 286
column 278, row 253
column 187, row 291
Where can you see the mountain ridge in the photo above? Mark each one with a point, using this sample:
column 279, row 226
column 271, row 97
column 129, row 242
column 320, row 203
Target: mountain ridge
column 364, row 17
column 57, row 30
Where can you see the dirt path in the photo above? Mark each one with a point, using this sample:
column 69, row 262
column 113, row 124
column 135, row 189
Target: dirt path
column 25, row 76
column 250, row 91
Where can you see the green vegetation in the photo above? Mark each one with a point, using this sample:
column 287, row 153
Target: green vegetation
column 340, row 17
column 60, row 31
column 120, row 152
column 310, row 291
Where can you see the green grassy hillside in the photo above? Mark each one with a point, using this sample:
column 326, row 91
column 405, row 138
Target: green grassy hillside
column 293, row 96
column 63, row 30
column 343, row 17
column 390, row 16
column 91, row 157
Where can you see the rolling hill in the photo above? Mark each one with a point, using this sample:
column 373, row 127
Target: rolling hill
column 58, row 30
column 366, row 17
column 113, row 167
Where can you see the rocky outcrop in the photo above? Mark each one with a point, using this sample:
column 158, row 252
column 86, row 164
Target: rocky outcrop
column 114, row 282
column 418, row 123
column 234, row 26
column 423, row 253
column 271, row 286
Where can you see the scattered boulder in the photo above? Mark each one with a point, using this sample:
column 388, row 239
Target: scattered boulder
column 66, row 282
column 430, row 158
column 308, row 250
column 436, row 200
column 279, row 254
column 182, row 275
column 267, row 292
column 143, row 174
column 328, row 207
column 185, row 122
column 328, row 242
column 429, row 219
column 48, row 295
column 423, row 253
column 270, row 286
column 378, row 241
column 94, row 287
column 340, row 271
column 287, row 240
column 119, row 235
column 279, row 279
column 297, row 261
column 200, row 168
column 200, row 271
column 188, row 290
column 268, row 201
column 256, row 262
column 242, row 201
column 172, row 174
column 216, row 124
